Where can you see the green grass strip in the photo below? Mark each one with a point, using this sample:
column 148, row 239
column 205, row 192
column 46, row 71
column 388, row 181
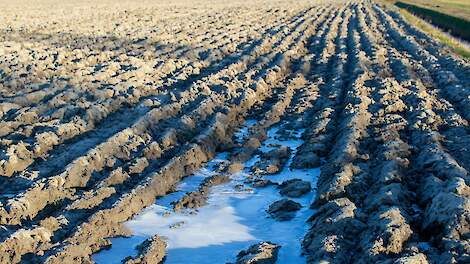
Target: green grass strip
column 457, row 26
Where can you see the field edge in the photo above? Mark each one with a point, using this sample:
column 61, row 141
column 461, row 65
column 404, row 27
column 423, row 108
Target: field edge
column 455, row 45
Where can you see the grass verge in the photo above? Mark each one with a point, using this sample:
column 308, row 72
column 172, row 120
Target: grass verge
column 456, row 25
column 454, row 44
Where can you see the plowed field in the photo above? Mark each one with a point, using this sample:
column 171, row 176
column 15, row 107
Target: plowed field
column 106, row 107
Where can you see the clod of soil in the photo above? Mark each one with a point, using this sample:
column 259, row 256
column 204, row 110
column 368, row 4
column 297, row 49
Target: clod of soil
column 306, row 160
column 152, row 250
column 272, row 162
column 259, row 183
column 262, row 253
column 199, row 198
column 284, row 209
column 294, row 187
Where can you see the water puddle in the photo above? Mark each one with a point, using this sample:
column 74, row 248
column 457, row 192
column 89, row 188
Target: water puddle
column 234, row 218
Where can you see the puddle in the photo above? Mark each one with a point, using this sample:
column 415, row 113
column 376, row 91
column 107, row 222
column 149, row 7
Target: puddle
column 233, row 219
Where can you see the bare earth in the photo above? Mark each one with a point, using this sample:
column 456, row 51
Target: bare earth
column 107, row 105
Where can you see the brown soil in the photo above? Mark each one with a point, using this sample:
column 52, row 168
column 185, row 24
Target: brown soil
column 106, row 106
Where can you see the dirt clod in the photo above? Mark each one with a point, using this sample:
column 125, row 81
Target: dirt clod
column 294, row 187
column 283, row 210
column 261, row 253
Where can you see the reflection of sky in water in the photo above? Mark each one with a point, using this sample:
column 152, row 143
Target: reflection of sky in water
column 212, row 225
column 232, row 220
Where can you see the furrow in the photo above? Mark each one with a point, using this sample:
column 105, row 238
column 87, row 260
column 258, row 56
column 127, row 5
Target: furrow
column 23, row 154
column 273, row 72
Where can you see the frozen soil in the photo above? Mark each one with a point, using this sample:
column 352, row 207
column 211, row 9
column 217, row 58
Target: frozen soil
column 115, row 113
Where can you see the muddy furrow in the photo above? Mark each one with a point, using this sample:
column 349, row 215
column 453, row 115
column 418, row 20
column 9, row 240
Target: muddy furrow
column 45, row 192
column 46, row 140
column 316, row 138
column 294, row 84
column 384, row 191
column 324, row 110
column 268, row 80
column 196, row 20
column 445, row 172
column 121, row 127
column 309, row 65
column 388, row 211
column 145, row 193
column 176, row 106
column 63, row 98
column 274, row 68
column 330, row 242
column 182, row 84
column 452, row 95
